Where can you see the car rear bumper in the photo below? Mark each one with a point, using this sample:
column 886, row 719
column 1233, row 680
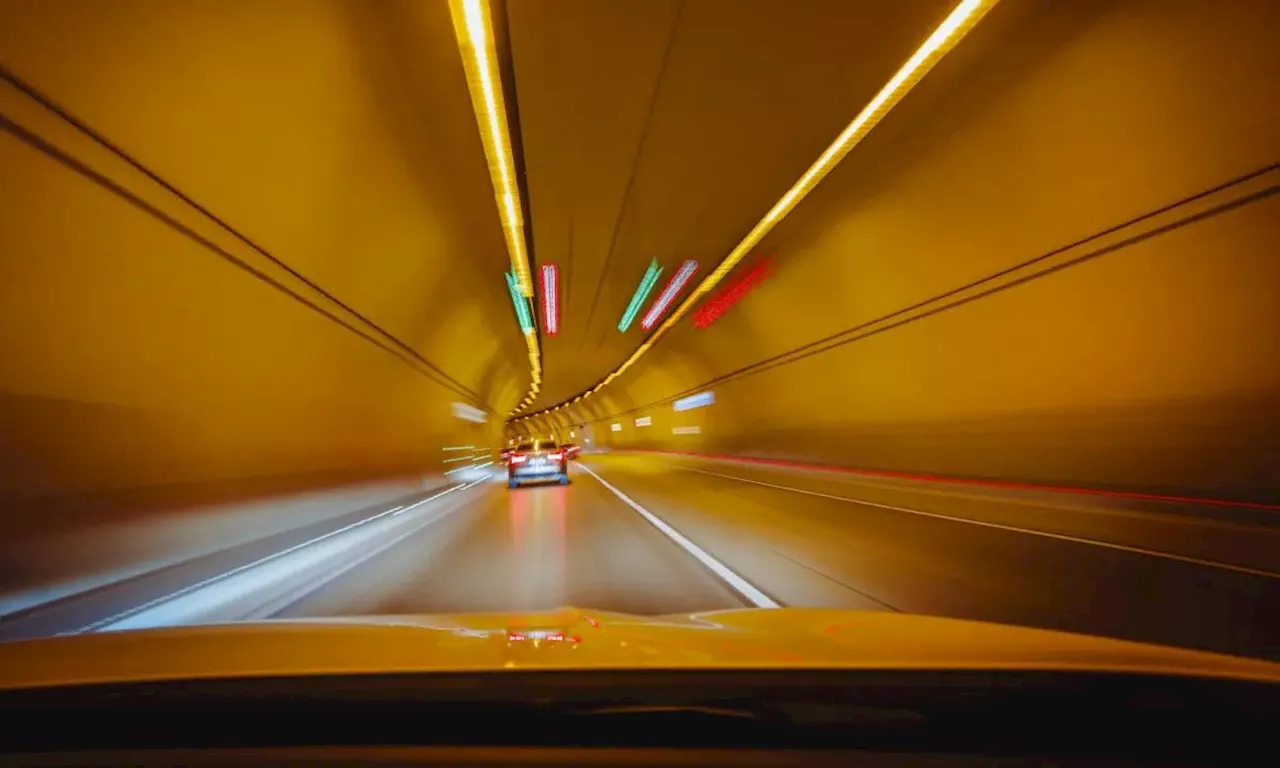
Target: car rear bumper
column 548, row 472
column 545, row 471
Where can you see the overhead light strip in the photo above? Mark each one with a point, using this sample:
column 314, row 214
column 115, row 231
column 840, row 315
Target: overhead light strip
column 668, row 295
column 473, row 26
column 647, row 282
column 951, row 31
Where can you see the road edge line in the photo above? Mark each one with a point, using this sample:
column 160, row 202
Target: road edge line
column 1029, row 531
column 120, row 616
column 742, row 586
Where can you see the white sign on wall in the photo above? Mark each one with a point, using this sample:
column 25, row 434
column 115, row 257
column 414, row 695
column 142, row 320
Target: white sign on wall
column 469, row 413
column 694, row 401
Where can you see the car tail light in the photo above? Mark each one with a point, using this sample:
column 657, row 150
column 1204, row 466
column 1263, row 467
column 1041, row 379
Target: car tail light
column 556, row 456
column 518, row 458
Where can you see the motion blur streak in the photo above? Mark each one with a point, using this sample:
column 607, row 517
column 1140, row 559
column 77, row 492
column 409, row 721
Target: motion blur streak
column 947, row 35
column 473, row 23
column 1028, row 305
column 1091, row 542
column 475, row 39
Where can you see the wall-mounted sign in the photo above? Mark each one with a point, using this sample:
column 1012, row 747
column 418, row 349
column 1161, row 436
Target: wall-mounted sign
column 615, row 427
column 726, row 297
column 468, row 413
column 686, row 430
column 644, row 421
column 694, row 401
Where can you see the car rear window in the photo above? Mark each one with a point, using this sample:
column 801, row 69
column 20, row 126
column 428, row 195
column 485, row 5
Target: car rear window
column 546, row 445
column 525, row 447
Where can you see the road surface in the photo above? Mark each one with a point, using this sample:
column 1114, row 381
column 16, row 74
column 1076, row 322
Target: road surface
column 656, row 534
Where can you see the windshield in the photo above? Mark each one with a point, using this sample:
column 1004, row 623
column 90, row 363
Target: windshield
column 599, row 315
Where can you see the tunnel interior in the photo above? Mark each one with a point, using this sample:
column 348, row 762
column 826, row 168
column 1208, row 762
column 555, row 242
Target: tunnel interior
column 253, row 249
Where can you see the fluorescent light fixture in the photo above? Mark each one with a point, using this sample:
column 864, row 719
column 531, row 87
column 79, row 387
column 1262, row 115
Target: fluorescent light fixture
column 616, row 427
column 473, row 27
column 668, row 295
column 686, row 430
column 642, row 292
column 945, row 37
column 694, row 401
column 550, row 299
column 644, row 421
column 468, row 413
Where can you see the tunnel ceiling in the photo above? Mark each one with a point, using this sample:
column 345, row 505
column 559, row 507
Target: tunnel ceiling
column 647, row 130
column 337, row 138
column 665, row 130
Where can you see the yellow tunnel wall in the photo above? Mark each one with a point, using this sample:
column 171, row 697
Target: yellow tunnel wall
column 1145, row 358
column 138, row 349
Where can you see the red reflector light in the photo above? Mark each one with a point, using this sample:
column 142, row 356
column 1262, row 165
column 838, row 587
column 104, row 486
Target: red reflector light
column 555, row 456
column 518, row 459
column 515, row 637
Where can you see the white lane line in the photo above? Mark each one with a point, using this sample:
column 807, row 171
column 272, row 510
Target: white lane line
column 998, row 526
column 744, row 587
column 275, row 555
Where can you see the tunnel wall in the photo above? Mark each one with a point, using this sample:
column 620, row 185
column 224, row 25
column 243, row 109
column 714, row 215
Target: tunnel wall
column 153, row 352
column 1120, row 154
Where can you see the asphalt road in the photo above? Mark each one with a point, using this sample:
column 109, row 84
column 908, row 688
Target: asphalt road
column 694, row 535
column 1170, row 573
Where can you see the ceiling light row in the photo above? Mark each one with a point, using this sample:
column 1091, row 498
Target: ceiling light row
column 473, row 26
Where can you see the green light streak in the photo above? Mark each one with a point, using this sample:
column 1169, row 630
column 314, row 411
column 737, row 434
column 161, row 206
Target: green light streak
column 649, row 280
column 522, row 306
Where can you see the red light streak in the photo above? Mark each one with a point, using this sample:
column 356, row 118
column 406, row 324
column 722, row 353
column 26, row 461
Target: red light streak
column 668, row 295
column 550, row 299
column 717, row 305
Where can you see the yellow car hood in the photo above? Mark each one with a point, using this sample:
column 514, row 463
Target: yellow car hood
column 791, row 638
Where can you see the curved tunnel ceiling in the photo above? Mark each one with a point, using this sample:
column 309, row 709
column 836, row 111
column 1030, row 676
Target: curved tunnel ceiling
column 646, row 131
column 285, row 209
column 663, row 132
